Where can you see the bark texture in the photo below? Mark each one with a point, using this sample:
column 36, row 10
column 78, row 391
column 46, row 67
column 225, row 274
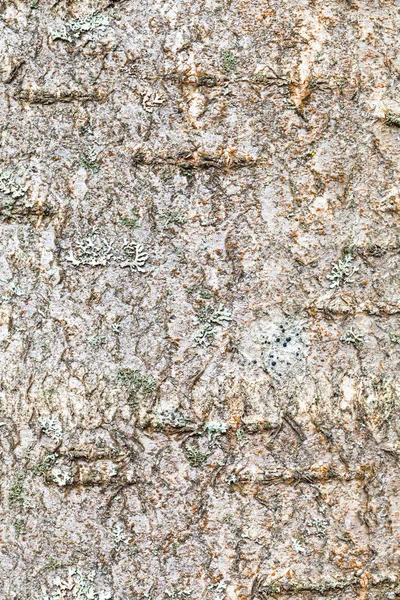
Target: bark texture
column 199, row 299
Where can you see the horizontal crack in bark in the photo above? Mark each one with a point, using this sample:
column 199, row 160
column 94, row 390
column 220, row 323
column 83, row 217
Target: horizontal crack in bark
column 47, row 97
column 189, row 161
column 270, row 590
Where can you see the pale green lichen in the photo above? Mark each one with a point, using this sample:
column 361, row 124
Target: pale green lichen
column 241, row 437
column 43, row 466
column 317, row 527
column 297, row 546
column 53, row 563
column 137, row 384
column 19, row 526
column 392, row 118
column 195, row 457
column 172, row 217
column 205, row 335
column 175, row 592
column 228, row 62
column 90, row 161
column 61, row 478
column 219, row 589
column 205, row 294
column 96, row 340
column 133, row 221
column 217, row 316
column 342, row 271
column 383, row 402
column 214, row 430
column 209, row 318
column 16, row 492
column 151, row 99
column 394, row 338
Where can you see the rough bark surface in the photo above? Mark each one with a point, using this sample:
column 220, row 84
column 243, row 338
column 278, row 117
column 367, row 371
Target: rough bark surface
column 199, row 299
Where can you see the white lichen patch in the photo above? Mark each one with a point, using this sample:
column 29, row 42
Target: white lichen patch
column 95, row 251
column 93, row 26
column 61, row 477
column 151, row 99
column 119, row 537
column 75, row 586
column 136, row 256
column 11, row 184
column 51, row 427
column 214, row 430
column 351, row 337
